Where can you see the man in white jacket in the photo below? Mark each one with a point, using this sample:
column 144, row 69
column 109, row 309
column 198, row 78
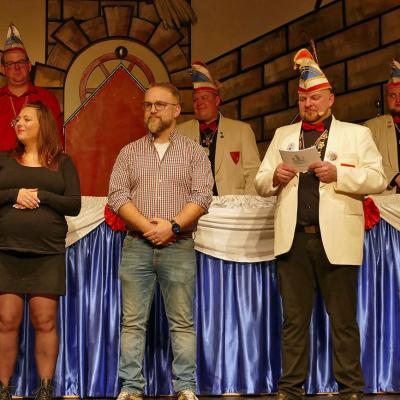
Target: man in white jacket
column 230, row 144
column 319, row 228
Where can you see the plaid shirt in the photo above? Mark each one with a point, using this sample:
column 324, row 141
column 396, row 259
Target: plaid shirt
column 161, row 188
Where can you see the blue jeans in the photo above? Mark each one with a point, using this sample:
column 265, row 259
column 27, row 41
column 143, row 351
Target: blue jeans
column 174, row 267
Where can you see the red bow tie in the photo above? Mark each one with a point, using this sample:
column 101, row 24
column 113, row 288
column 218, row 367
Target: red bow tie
column 319, row 127
column 396, row 120
column 212, row 126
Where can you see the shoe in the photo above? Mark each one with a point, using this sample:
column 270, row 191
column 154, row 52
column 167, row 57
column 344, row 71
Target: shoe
column 123, row 395
column 45, row 391
column 5, row 392
column 284, row 396
column 187, row 394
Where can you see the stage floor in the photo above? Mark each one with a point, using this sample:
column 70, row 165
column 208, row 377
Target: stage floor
column 381, row 396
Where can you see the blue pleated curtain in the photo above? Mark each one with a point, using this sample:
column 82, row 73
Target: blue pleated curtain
column 238, row 322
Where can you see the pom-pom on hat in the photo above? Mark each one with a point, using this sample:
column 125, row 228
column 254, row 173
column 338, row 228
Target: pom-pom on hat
column 202, row 79
column 312, row 78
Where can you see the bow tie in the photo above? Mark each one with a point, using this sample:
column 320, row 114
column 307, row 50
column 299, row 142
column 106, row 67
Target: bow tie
column 396, row 120
column 319, row 127
column 212, row 126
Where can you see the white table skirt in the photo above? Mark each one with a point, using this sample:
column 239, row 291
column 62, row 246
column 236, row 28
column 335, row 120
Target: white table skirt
column 236, row 228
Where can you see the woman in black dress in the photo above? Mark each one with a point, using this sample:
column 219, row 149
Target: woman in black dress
column 39, row 186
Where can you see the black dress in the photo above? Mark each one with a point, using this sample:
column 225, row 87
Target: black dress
column 32, row 242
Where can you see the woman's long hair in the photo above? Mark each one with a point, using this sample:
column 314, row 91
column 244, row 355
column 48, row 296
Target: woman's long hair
column 48, row 141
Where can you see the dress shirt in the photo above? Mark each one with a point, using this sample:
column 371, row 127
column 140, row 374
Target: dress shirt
column 161, row 188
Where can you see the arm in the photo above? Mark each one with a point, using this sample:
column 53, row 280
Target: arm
column 272, row 173
column 119, row 195
column 251, row 158
column 368, row 176
column 8, row 196
column 379, row 135
column 198, row 202
column 68, row 203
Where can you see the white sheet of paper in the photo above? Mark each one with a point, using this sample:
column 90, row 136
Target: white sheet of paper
column 300, row 159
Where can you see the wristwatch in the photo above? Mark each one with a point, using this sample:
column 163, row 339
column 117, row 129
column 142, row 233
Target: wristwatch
column 176, row 228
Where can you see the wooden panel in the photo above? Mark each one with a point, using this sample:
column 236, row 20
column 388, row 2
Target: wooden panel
column 94, row 143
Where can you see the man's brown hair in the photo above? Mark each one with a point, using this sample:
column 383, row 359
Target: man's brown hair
column 168, row 86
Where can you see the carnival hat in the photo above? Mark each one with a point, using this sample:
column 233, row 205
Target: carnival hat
column 202, row 79
column 394, row 79
column 312, row 78
column 14, row 41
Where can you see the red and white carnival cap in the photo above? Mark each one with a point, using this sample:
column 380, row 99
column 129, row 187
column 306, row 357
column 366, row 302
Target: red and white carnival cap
column 312, row 79
column 202, row 79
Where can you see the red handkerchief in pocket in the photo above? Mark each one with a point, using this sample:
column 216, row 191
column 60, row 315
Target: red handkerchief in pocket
column 347, row 165
column 235, row 156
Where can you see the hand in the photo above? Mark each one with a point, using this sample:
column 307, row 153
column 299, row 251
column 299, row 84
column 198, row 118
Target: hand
column 324, row 170
column 19, row 207
column 28, row 198
column 283, row 174
column 161, row 233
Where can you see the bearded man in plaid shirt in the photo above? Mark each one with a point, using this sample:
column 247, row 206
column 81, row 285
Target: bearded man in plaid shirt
column 160, row 185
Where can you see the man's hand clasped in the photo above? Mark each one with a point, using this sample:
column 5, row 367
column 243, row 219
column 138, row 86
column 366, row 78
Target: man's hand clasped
column 160, row 233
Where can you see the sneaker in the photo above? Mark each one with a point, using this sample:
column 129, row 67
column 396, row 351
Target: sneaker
column 45, row 391
column 123, row 395
column 187, row 394
column 5, row 392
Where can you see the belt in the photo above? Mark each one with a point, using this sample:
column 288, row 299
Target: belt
column 308, row 229
column 182, row 235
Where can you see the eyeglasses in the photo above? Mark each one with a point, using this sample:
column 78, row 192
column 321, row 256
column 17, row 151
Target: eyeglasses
column 20, row 63
column 158, row 105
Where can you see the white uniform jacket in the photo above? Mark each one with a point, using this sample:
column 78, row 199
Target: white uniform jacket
column 236, row 156
column 341, row 218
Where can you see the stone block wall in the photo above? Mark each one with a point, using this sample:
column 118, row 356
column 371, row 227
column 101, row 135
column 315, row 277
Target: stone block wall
column 355, row 40
column 75, row 25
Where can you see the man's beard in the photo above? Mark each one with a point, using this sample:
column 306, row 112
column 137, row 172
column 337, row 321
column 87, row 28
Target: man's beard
column 314, row 116
column 157, row 125
column 394, row 113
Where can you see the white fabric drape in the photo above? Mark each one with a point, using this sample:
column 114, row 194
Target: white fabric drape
column 236, row 228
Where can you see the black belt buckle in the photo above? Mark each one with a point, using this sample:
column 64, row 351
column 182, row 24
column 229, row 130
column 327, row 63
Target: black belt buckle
column 311, row 229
